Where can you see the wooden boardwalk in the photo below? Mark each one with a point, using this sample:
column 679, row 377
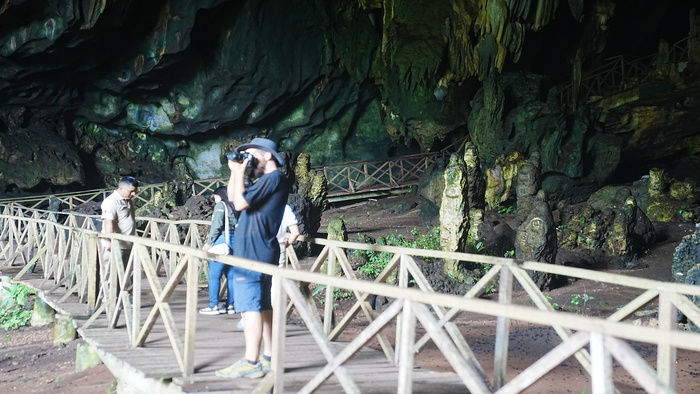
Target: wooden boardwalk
column 164, row 346
column 219, row 343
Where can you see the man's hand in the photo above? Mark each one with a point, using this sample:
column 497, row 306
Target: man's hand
column 236, row 186
column 238, row 168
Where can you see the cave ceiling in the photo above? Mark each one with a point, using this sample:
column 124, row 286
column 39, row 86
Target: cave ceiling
column 91, row 90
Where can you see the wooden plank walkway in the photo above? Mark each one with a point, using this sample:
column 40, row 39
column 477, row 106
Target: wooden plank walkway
column 219, row 344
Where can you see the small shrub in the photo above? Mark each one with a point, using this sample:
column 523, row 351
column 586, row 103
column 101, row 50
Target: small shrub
column 377, row 261
column 16, row 309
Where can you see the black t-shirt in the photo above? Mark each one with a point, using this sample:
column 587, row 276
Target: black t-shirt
column 256, row 234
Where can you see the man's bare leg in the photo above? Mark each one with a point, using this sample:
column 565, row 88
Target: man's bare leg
column 267, row 332
column 253, row 332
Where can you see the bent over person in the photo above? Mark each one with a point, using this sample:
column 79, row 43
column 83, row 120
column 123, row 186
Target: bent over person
column 261, row 206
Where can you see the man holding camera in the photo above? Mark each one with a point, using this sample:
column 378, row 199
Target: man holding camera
column 262, row 207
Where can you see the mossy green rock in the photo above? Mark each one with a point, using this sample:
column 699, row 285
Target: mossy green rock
column 337, row 231
column 686, row 256
column 86, row 357
column 501, row 178
column 682, row 191
column 63, row 330
column 42, row 314
column 661, row 211
column 453, row 208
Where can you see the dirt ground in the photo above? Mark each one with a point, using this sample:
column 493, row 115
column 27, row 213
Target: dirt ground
column 30, row 363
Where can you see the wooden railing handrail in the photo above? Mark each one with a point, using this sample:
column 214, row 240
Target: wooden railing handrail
column 368, row 182
column 61, row 250
column 619, row 65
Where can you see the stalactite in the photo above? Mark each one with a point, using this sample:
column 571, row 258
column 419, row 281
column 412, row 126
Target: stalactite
column 92, row 10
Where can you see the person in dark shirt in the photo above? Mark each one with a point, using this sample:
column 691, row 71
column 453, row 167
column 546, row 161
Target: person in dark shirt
column 262, row 207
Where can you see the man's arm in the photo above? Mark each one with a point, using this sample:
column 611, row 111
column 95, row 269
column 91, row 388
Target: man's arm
column 236, row 187
column 293, row 234
column 108, row 227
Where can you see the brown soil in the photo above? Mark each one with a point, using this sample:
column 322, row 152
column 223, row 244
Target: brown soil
column 30, row 363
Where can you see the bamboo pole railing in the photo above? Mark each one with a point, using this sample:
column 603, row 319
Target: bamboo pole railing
column 67, row 254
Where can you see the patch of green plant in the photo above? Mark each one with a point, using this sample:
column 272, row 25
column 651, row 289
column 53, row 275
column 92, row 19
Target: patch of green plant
column 475, row 245
column 554, row 304
column 16, row 308
column 508, row 209
column 338, row 294
column 377, row 261
column 580, row 300
column 112, row 388
column 509, row 254
column 491, row 288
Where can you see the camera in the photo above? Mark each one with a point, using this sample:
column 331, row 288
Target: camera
column 240, row 156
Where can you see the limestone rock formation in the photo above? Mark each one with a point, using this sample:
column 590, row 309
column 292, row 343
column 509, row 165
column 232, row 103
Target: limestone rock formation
column 476, row 189
column 611, row 221
column 536, row 240
column 154, row 89
column 686, row 258
column 501, row 179
column 670, row 201
column 454, row 207
column 528, row 184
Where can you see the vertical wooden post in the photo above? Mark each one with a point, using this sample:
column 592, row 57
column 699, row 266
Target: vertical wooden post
column 400, row 341
column 505, row 291
column 136, row 278
column 279, row 331
column 328, row 308
column 115, row 257
column 93, row 273
column 405, row 350
column 190, row 314
column 666, row 354
column 601, row 366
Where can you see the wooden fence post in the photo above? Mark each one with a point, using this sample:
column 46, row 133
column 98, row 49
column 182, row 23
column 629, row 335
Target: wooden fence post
column 328, row 307
column 405, row 350
column 666, row 354
column 93, row 273
column 190, row 314
column 502, row 329
column 601, row 366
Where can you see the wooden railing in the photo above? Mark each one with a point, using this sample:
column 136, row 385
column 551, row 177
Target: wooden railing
column 143, row 196
column 343, row 179
column 68, row 255
column 618, row 73
column 369, row 176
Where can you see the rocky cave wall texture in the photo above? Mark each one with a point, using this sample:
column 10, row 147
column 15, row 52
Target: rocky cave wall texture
column 91, row 90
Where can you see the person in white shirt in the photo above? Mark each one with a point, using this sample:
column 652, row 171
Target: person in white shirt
column 287, row 233
column 118, row 216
